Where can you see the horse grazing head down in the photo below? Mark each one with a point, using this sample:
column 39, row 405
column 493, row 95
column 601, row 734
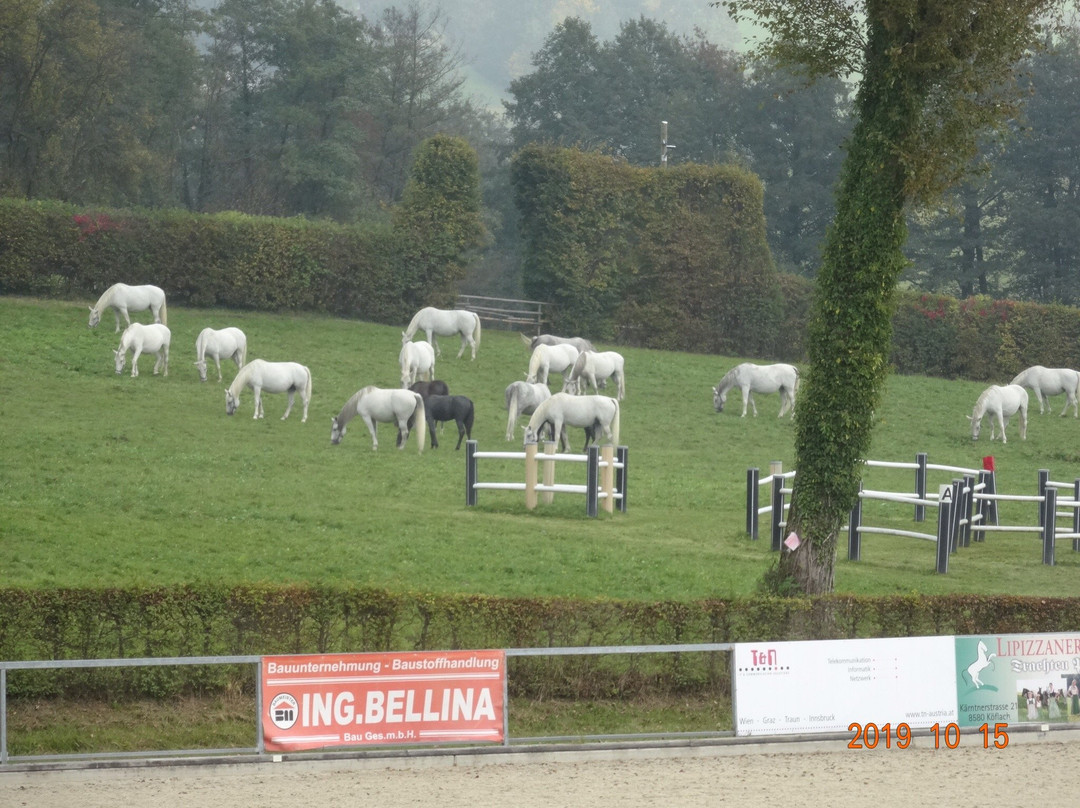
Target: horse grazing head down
column 95, row 317
column 121, row 358
column 231, row 402
column 718, row 399
column 337, row 430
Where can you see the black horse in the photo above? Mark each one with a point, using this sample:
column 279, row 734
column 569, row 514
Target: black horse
column 433, row 388
column 449, row 408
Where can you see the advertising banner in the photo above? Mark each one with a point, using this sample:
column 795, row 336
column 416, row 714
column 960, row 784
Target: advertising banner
column 826, row 686
column 942, row 683
column 314, row 702
column 1018, row 678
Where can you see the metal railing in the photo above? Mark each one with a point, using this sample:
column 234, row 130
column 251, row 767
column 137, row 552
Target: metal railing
column 257, row 748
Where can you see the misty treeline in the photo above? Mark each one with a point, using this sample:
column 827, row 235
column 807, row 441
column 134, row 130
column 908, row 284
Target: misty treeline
column 299, row 107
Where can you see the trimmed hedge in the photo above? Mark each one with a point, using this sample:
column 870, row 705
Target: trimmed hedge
column 256, row 620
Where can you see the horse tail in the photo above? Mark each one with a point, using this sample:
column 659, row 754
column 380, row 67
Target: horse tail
column 512, row 397
column 525, row 339
column 421, row 421
column 200, row 346
column 476, row 330
column 615, row 424
column 307, row 384
column 164, row 311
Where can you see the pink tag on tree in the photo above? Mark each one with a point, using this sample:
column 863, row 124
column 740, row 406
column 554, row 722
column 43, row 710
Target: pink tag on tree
column 792, row 541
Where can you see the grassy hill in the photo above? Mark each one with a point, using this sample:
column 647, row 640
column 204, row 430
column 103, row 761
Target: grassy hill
column 107, row 480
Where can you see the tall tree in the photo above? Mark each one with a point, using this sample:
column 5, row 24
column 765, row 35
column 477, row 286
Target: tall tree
column 931, row 76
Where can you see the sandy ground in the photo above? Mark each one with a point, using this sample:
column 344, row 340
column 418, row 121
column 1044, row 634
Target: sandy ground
column 1039, row 772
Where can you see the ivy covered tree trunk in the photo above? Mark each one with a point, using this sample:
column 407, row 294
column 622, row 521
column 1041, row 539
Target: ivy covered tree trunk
column 850, row 330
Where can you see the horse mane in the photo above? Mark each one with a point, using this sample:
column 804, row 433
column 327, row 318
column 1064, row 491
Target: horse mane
column 106, row 298
column 728, row 380
column 414, row 323
column 242, row 377
column 348, row 411
column 579, row 365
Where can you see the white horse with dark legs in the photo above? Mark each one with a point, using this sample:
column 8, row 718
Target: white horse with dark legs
column 591, row 413
column 580, row 343
column 228, row 343
column 445, row 323
column 592, row 368
column 416, row 359
column 751, row 378
column 140, row 339
column 1000, row 402
column 1046, row 382
column 548, row 358
column 122, row 299
column 377, row 405
column 522, row 398
column 270, row 377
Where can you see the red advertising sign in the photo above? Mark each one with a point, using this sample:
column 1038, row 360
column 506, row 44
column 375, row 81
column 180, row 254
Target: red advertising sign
column 312, row 702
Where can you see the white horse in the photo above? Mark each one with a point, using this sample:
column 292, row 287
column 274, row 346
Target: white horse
column 417, row 359
column 522, row 398
column 548, row 358
column 580, row 343
column 228, row 343
column 1046, row 382
column 976, row 667
column 271, row 377
column 1000, row 402
column 139, row 339
column 445, row 323
column 565, row 409
column 383, row 405
column 122, row 298
column 751, row 378
column 592, row 367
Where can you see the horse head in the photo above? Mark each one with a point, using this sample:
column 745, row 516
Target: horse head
column 231, row 402
column 337, row 430
column 201, row 365
column 976, row 426
column 530, row 434
column 120, row 359
column 95, row 317
column 718, row 399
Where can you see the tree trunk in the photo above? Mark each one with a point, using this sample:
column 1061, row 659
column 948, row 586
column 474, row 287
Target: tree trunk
column 850, row 331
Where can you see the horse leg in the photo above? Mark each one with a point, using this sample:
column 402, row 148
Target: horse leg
column 288, row 407
column 135, row 361
column 257, row 391
column 159, row 360
column 464, row 342
column 431, row 424
column 745, row 398
column 460, row 432
column 403, row 432
column 371, row 428
column 217, row 361
column 433, row 342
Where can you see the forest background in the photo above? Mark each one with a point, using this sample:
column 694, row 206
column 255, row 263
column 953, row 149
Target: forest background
column 314, row 109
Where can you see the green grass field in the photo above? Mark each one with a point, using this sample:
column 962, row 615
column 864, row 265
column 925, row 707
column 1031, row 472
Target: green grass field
column 107, row 480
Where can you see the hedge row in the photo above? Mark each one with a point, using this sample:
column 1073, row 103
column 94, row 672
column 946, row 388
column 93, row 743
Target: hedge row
column 255, row 620
column 374, row 272
column 674, row 259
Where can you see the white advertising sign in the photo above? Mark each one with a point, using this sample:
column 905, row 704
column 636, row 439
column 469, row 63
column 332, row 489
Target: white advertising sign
column 826, row 686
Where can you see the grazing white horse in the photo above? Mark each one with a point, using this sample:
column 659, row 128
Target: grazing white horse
column 270, row 377
column 416, row 359
column 522, row 398
column 580, row 343
column 592, row 367
column 122, row 298
column 140, row 339
column 445, row 323
column 565, row 409
column 751, row 378
column 1046, row 382
column 383, row 405
column 548, row 358
column 228, row 343
column 1000, row 402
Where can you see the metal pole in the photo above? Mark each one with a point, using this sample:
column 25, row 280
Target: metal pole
column 1050, row 525
column 752, row 481
column 969, row 500
column 1076, row 515
column 944, row 520
column 777, row 511
column 920, row 485
column 1044, row 477
column 592, row 481
column 623, row 456
column 854, row 538
column 470, row 472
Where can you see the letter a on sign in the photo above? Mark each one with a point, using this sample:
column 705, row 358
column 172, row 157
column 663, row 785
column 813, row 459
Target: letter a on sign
column 945, row 495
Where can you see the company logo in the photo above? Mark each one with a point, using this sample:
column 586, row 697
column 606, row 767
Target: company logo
column 284, row 710
column 765, row 660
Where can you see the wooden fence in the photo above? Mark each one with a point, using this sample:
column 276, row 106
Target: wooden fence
column 514, row 315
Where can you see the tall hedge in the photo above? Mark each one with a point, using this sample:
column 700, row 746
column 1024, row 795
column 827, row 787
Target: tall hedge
column 369, row 271
column 670, row 258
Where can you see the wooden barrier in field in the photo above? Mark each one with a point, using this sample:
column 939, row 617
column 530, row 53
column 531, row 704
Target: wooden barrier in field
column 605, row 475
column 967, row 509
column 501, row 312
